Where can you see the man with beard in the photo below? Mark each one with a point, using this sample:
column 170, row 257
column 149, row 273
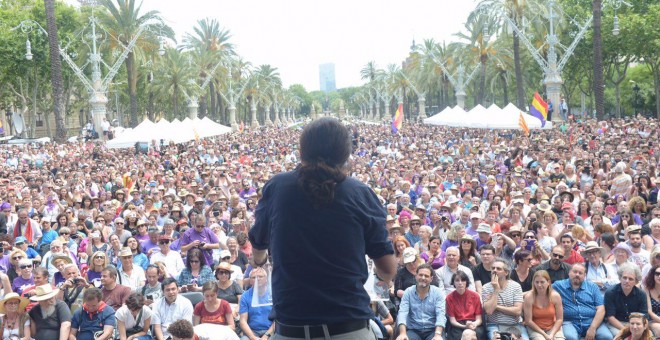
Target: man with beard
column 583, row 306
column 503, row 300
column 51, row 319
column 639, row 256
column 555, row 266
column 422, row 309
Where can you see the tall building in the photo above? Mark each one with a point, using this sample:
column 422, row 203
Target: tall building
column 327, row 77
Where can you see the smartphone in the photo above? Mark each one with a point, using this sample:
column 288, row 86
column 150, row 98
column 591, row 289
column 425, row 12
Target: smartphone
column 495, row 240
column 570, row 226
column 150, row 297
column 530, row 244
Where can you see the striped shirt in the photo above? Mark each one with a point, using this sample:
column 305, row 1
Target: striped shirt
column 507, row 297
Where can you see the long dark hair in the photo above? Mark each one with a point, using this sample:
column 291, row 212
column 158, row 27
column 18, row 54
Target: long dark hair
column 325, row 145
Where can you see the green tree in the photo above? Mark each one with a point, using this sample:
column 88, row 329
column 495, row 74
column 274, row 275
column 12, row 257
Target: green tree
column 124, row 19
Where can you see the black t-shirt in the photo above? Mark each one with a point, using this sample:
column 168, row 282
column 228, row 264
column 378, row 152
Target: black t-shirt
column 525, row 285
column 49, row 328
column 241, row 260
column 319, row 265
column 479, row 273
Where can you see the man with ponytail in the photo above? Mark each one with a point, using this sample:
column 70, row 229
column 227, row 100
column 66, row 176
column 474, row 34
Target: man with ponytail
column 317, row 225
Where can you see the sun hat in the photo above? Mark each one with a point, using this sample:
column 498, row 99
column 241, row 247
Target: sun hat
column 20, row 239
column 44, row 292
column 484, row 228
column 475, row 215
column 224, row 266
column 409, row 255
column 125, row 251
column 622, row 246
column 62, row 257
column 23, row 302
column 468, row 238
column 591, row 246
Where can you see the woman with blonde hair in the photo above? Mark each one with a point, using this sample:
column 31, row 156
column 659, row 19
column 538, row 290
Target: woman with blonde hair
column 15, row 322
column 543, row 310
column 453, row 236
column 637, row 329
column 97, row 262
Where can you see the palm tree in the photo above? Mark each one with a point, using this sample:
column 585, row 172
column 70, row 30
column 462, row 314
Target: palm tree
column 55, row 71
column 212, row 43
column 479, row 47
column 176, row 77
column 599, row 84
column 124, row 20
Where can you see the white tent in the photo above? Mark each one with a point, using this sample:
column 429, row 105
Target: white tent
column 450, row 116
column 176, row 131
column 480, row 117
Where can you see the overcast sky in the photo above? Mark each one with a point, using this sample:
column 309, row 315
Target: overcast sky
column 297, row 35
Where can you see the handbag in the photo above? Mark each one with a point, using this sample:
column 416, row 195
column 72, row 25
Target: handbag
column 137, row 328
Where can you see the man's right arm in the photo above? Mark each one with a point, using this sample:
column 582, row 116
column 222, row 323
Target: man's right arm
column 386, row 267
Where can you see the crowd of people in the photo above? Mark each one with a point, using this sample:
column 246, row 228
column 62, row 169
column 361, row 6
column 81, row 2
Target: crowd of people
column 548, row 236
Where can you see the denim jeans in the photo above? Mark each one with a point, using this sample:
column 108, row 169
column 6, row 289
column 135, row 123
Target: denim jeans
column 571, row 332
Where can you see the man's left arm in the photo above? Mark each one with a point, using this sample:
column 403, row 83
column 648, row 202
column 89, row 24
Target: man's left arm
column 109, row 324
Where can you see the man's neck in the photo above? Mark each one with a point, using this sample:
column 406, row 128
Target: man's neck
column 487, row 266
column 423, row 291
column 626, row 291
column 156, row 284
column 595, row 264
column 636, row 250
column 110, row 287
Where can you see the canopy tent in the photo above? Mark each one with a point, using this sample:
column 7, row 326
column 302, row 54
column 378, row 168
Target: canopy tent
column 480, row 117
column 175, row 131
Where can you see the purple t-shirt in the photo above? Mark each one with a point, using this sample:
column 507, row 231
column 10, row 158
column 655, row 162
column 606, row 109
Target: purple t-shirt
column 20, row 284
column 148, row 245
column 206, row 236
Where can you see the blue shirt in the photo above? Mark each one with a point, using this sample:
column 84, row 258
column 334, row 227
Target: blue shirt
column 579, row 305
column 31, row 253
column 257, row 316
column 319, row 266
column 87, row 326
column 412, row 239
column 48, row 237
column 425, row 313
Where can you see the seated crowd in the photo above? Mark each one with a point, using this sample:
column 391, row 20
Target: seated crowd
column 545, row 237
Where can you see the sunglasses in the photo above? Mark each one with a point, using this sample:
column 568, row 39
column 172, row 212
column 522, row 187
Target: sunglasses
column 530, row 237
column 25, row 266
column 99, row 257
column 557, row 256
column 64, row 233
column 17, row 258
column 163, row 242
column 194, row 261
column 516, row 235
column 226, row 258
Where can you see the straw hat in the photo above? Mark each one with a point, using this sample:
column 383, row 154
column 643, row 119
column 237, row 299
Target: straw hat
column 23, row 302
column 224, row 266
column 470, row 239
column 591, row 246
column 125, row 251
column 62, row 257
column 44, row 292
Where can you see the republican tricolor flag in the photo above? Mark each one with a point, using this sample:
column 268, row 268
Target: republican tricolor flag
column 397, row 120
column 539, row 108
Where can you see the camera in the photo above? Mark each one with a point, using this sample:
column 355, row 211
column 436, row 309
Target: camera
column 506, row 336
column 216, row 213
column 76, row 281
column 150, row 297
column 443, row 218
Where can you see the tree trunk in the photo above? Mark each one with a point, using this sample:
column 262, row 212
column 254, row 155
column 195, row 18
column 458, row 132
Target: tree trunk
column 482, row 81
column 656, row 82
column 505, row 89
column 132, row 87
column 55, row 70
column 520, row 83
column 214, row 105
column 599, row 85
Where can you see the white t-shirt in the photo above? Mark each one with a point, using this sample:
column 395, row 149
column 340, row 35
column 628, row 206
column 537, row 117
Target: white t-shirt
column 124, row 315
column 135, row 281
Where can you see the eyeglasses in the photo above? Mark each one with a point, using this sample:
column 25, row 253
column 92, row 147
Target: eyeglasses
column 656, row 273
column 121, row 223
column 163, row 242
column 17, row 258
column 558, row 256
column 224, row 272
column 516, row 235
column 415, row 223
column 25, row 266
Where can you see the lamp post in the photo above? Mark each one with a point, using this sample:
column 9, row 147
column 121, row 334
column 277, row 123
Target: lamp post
column 636, row 97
